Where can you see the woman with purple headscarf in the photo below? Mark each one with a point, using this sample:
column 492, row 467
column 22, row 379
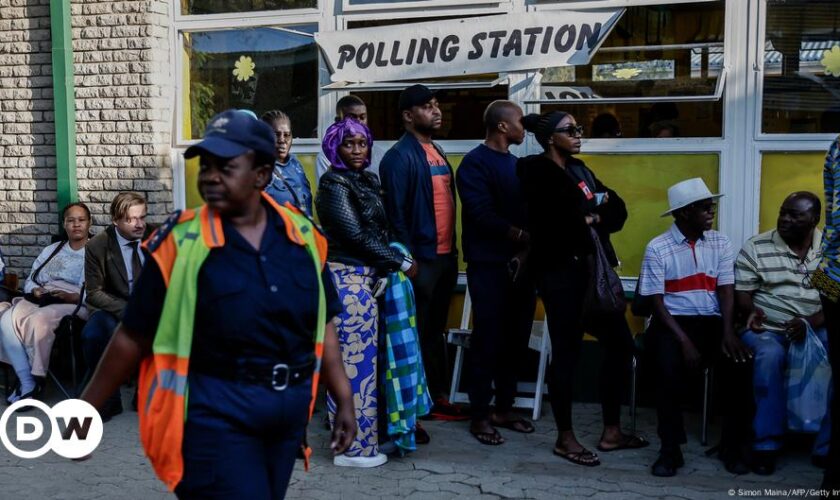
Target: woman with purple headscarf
column 353, row 217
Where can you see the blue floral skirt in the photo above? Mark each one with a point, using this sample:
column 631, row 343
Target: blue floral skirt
column 358, row 336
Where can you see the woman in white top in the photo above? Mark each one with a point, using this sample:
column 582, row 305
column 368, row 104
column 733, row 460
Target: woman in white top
column 52, row 290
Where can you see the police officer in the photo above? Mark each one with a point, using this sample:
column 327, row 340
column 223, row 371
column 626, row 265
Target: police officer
column 234, row 304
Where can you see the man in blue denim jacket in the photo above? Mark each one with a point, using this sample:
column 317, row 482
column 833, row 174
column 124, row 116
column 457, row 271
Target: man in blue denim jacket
column 419, row 188
column 289, row 182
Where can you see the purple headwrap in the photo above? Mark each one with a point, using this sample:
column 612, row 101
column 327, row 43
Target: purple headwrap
column 336, row 134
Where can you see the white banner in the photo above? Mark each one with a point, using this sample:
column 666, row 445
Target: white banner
column 491, row 44
column 559, row 92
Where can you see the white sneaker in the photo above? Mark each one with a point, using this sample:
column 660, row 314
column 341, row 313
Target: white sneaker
column 373, row 461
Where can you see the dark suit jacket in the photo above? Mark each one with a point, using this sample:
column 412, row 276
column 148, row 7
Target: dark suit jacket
column 106, row 279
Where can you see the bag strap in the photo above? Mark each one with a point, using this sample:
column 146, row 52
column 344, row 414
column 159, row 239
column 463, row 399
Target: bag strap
column 81, row 301
column 53, row 254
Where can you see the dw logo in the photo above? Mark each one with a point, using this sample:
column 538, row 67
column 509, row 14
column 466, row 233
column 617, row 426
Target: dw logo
column 75, row 428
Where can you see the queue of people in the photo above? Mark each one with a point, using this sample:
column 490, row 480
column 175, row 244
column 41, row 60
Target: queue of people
column 364, row 298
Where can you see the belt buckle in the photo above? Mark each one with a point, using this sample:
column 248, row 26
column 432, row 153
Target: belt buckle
column 274, row 371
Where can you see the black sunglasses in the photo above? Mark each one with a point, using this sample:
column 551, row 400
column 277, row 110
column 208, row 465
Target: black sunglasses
column 570, row 130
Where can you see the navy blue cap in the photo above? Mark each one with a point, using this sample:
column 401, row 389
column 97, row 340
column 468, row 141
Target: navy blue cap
column 233, row 133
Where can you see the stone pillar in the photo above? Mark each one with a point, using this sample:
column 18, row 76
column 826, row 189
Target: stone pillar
column 124, row 91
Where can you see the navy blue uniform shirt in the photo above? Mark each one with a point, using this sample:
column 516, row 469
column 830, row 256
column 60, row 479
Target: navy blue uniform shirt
column 257, row 305
column 491, row 202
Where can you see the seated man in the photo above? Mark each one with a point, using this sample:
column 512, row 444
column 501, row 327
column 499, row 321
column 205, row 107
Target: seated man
column 688, row 274
column 113, row 259
column 772, row 291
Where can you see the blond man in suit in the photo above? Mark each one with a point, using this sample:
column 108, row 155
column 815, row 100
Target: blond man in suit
column 113, row 261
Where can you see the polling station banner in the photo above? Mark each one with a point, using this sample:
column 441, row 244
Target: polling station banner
column 491, row 44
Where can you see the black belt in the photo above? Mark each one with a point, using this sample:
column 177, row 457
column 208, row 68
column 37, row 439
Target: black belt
column 278, row 376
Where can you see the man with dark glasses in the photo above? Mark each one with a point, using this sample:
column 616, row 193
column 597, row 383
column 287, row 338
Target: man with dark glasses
column 688, row 274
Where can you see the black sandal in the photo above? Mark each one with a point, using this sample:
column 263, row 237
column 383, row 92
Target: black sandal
column 583, row 457
column 488, row 438
column 516, row 425
column 628, row 442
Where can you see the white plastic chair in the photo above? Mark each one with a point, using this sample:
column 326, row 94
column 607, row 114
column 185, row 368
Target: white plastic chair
column 538, row 341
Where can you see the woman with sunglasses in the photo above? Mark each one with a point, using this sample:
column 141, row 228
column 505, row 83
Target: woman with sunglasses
column 564, row 200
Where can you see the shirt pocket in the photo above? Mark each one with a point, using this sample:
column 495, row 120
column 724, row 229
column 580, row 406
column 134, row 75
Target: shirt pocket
column 228, row 291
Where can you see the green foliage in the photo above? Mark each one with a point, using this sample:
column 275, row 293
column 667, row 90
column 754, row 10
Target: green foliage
column 202, row 95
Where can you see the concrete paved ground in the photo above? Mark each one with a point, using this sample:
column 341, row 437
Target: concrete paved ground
column 454, row 465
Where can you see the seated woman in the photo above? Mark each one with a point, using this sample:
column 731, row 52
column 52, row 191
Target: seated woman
column 353, row 217
column 52, row 292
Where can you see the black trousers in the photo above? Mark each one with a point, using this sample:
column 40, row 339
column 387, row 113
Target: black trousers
column 562, row 292
column 433, row 288
column 832, row 324
column 706, row 333
column 614, row 335
column 503, row 312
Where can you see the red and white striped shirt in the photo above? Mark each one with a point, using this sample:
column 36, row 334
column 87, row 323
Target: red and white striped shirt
column 688, row 273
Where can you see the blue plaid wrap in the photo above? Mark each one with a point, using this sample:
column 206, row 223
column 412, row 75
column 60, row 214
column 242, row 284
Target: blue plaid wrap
column 406, row 393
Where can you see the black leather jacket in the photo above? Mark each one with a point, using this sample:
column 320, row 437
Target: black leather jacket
column 350, row 208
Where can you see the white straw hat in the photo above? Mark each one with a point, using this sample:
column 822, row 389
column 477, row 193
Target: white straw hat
column 687, row 192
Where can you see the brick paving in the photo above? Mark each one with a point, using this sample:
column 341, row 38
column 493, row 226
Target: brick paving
column 453, row 465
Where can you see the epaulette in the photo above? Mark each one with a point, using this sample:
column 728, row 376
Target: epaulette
column 297, row 210
column 160, row 234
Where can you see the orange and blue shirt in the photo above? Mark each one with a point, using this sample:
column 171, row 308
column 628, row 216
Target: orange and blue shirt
column 444, row 203
column 688, row 273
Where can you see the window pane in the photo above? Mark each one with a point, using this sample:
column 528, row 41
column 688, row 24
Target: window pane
column 462, row 112
column 654, row 51
column 642, row 181
column 783, row 174
column 802, row 67
column 664, row 119
column 222, row 6
column 258, row 69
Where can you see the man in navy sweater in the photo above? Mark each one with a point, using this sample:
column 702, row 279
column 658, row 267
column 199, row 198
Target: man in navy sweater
column 495, row 249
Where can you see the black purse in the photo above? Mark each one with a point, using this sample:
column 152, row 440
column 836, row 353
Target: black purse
column 72, row 323
column 605, row 293
column 42, row 300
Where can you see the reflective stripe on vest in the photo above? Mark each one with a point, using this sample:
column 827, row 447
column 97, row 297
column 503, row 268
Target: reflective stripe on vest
column 163, row 388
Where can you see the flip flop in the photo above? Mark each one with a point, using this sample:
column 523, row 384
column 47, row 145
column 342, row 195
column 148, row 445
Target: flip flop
column 489, row 438
column 628, row 443
column 517, row 425
column 579, row 457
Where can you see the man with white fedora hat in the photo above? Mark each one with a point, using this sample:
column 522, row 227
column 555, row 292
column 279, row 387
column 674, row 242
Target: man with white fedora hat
column 688, row 273
column 686, row 192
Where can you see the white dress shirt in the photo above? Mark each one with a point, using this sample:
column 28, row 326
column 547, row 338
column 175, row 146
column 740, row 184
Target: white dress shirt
column 127, row 248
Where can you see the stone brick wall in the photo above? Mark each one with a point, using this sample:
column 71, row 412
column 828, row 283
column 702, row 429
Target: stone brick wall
column 123, row 90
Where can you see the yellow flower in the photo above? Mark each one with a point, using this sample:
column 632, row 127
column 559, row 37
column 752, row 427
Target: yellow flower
column 831, row 61
column 244, row 68
column 626, row 73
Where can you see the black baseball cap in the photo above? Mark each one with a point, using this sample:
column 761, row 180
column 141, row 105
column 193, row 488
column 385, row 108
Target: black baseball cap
column 416, row 95
column 233, row 133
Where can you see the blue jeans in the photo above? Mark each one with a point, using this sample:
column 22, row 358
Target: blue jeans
column 96, row 335
column 770, row 422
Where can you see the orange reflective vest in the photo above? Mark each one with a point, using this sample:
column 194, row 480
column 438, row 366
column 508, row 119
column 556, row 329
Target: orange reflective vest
column 179, row 249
